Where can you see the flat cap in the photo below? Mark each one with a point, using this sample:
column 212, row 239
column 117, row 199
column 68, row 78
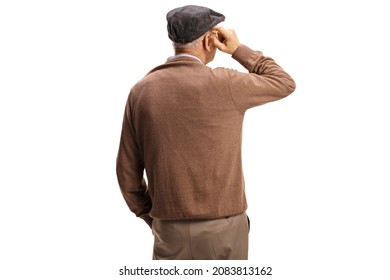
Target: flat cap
column 188, row 23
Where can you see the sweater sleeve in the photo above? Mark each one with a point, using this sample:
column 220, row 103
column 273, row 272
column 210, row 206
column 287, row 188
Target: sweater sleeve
column 266, row 81
column 129, row 170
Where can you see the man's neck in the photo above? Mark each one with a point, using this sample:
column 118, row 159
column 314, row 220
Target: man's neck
column 193, row 53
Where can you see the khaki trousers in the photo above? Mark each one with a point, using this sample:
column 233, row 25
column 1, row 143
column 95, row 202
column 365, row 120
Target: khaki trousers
column 217, row 239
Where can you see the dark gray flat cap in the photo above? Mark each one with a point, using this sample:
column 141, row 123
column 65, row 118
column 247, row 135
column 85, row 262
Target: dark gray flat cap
column 188, row 23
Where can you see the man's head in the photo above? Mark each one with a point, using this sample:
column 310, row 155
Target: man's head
column 188, row 23
column 190, row 27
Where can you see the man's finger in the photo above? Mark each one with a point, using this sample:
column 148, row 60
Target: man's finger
column 217, row 43
column 221, row 30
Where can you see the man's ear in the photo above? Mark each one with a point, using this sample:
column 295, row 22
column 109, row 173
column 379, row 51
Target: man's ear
column 208, row 42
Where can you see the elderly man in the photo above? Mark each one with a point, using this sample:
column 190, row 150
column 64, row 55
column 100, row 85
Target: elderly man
column 183, row 125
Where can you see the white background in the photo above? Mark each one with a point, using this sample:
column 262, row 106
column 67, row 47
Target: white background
column 316, row 163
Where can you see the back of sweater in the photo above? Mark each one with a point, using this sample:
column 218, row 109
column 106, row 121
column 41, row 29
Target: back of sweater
column 185, row 124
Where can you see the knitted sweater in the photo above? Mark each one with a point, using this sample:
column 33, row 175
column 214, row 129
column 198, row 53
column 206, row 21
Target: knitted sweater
column 183, row 126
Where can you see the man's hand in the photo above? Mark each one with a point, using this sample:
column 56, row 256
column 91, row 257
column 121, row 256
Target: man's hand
column 226, row 41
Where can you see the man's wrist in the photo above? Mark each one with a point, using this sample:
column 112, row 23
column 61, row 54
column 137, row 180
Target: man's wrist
column 234, row 49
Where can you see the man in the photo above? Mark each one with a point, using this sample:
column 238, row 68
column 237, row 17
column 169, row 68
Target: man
column 183, row 125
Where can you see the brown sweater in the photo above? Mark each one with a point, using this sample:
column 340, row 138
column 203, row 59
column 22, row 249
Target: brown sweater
column 183, row 125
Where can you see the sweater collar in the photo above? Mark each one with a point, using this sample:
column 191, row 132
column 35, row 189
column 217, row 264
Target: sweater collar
column 185, row 55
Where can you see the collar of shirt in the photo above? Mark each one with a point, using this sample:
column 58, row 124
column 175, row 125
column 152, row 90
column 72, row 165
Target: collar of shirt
column 185, row 55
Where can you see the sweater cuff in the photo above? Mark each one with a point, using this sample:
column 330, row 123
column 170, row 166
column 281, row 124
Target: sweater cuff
column 245, row 56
